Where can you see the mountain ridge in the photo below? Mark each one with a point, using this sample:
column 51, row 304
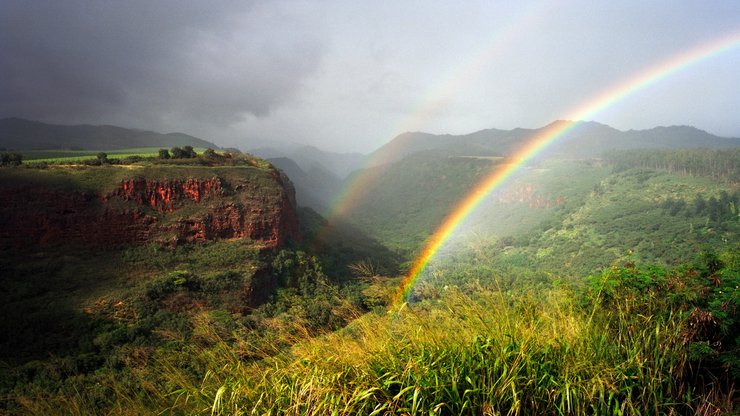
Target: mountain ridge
column 21, row 134
column 309, row 157
column 584, row 139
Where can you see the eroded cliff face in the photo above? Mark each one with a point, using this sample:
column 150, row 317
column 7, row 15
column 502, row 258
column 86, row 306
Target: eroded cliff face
column 43, row 216
column 166, row 196
column 141, row 210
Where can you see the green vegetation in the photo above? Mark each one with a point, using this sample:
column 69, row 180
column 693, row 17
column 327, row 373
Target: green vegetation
column 555, row 218
column 585, row 289
column 10, row 159
column 488, row 352
column 20, row 134
column 635, row 340
column 81, row 156
column 632, row 212
column 103, row 171
column 405, row 202
column 106, row 178
column 107, row 329
column 717, row 164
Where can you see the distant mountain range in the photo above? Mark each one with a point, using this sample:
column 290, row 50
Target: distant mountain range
column 20, row 134
column 315, row 187
column 309, row 158
column 317, row 174
column 415, row 181
column 582, row 140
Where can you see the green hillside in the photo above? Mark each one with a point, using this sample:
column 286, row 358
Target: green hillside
column 591, row 287
column 405, row 201
column 635, row 339
column 90, row 317
column 20, row 134
column 559, row 217
column 581, row 140
column 617, row 347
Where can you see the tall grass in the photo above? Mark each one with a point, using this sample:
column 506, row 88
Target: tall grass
column 491, row 353
column 621, row 347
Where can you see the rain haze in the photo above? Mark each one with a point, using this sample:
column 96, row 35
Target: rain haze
column 348, row 76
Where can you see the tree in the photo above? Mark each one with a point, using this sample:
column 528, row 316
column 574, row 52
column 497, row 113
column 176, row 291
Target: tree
column 210, row 154
column 715, row 209
column 189, row 152
column 164, row 154
column 102, row 157
column 177, row 153
column 700, row 205
column 10, row 159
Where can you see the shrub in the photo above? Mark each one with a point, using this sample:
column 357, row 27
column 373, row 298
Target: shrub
column 177, row 153
column 179, row 279
column 10, row 159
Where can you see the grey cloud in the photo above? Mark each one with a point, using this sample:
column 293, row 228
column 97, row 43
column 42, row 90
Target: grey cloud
column 142, row 60
column 353, row 74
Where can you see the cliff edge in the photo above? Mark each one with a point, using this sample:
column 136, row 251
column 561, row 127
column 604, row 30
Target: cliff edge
column 113, row 206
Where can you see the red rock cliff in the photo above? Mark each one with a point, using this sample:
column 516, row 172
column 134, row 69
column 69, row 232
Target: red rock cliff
column 167, row 196
column 144, row 210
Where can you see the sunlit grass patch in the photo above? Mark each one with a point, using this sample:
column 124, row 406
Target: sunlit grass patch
column 490, row 353
column 72, row 156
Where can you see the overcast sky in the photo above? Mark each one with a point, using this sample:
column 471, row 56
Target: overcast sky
column 351, row 75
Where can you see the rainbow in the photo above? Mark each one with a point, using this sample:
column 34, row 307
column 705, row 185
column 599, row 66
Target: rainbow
column 546, row 136
column 435, row 101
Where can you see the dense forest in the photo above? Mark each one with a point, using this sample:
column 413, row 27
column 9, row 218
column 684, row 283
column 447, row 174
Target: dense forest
column 717, row 164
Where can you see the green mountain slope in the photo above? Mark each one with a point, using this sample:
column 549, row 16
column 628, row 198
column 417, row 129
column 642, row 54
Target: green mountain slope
column 20, row 134
column 573, row 217
column 407, row 200
column 582, row 140
column 647, row 215
column 630, row 216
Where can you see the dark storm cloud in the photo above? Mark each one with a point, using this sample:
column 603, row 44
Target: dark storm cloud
column 350, row 75
column 150, row 61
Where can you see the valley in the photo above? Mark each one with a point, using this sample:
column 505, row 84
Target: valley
column 212, row 284
column 310, row 208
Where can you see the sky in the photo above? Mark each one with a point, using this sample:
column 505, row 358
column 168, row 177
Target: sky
column 348, row 76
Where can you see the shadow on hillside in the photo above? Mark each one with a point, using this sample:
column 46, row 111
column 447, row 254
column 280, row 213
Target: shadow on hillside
column 41, row 315
column 340, row 244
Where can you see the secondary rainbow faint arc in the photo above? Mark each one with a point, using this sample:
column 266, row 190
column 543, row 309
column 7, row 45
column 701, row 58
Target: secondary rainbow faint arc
column 467, row 71
column 549, row 135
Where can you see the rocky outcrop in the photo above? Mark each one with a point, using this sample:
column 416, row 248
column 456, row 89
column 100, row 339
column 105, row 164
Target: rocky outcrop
column 167, row 196
column 527, row 194
column 37, row 215
column 142, row 210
